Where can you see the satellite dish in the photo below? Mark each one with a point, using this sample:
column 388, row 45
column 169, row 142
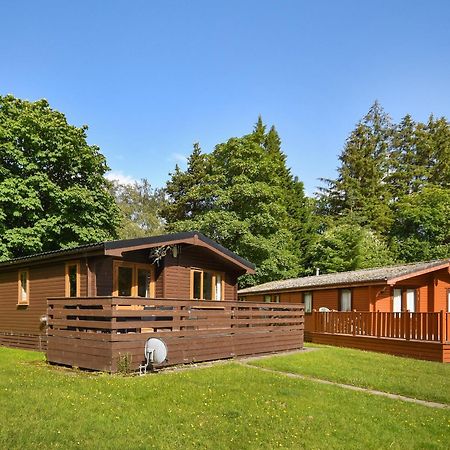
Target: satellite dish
column 155, row 351
column 324, row 309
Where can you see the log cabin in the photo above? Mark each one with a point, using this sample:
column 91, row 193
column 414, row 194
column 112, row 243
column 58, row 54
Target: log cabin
column 175, row 266
column 418, row 287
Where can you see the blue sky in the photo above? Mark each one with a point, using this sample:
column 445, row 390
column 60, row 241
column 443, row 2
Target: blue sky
column 150, row 78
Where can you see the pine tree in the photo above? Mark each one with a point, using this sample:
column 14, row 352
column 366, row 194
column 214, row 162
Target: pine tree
column 361, row 189
column 187, row 191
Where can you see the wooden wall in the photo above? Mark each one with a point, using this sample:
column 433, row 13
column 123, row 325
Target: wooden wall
column 174, row 281
column 20, row 325
column 432, row 291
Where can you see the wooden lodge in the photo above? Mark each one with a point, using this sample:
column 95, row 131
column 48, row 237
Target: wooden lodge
column 403, row 309
column 96, row 305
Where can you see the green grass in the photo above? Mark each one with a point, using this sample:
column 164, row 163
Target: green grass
column 411, row 377
column 226, row 406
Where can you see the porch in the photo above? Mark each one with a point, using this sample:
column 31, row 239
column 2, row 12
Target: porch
column 415, row 335
column 101, row 333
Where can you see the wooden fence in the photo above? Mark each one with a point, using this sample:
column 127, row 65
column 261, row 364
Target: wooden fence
column 101, row 333
column 419, row 335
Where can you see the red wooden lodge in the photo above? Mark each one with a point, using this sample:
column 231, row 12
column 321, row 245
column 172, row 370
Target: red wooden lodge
column 402, row 309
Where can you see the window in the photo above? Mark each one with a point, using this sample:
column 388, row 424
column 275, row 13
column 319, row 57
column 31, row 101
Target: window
column 307, row 300
column 397, row 300
column 24, row 288
column 272, row 298
column 73, row 279
column 404, row 299
column 411, row 300
column 206, row 285
column 133, row 280
column 345, row 303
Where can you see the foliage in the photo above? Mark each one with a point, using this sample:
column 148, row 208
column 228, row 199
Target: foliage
column 422, row 226
column 244, row 196
column 221, row 407
column 140, row 207
column 348, row 247
column 360, row 188
column 124, row 363
column 395, row 180
column 53, row 193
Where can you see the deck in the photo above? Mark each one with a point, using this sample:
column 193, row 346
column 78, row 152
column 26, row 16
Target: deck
column 97, row 333
column 415, row 335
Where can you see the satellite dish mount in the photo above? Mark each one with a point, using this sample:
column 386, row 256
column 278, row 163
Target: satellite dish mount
column 155, row 352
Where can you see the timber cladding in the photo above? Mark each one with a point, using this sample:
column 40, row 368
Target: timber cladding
column 96, row 333
column 20, row 324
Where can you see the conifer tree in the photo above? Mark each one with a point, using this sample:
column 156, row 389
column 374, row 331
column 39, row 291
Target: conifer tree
column 360, row 188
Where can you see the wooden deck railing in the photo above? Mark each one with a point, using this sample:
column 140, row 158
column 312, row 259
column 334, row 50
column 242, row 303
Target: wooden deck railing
column 419, row 326
column 94, row 332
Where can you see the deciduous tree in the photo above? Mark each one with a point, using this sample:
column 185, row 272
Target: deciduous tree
column 53, row 193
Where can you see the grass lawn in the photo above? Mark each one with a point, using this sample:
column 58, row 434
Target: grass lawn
column 411, row 377
column 226, row 406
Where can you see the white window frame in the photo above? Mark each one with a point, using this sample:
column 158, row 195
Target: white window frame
column 342, row 292
column 308, row 301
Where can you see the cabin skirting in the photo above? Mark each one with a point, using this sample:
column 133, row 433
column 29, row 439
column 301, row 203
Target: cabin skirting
column 26, row 341
column 431, row 351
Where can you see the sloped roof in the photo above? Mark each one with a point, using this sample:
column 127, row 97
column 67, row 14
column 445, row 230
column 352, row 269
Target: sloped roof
column 388, row 275
column 115, row 247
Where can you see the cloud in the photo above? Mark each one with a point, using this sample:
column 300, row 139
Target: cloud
column 179, row 158
column 117, row 175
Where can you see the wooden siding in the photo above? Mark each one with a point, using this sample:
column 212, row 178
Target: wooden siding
column 20, row 325
column 96, row 333
column 431, row 290
column 177, row 272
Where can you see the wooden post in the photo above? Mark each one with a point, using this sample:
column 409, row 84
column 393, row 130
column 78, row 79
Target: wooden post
column 407, row 325
column 442, row 317
column 314, row 321
column 378, row 323
column 354, row 322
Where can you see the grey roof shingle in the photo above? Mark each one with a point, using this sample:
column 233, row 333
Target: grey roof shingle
column 345, row 278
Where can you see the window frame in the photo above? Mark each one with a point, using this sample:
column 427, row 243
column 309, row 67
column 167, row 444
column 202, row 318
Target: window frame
column 134, row 278
column 20, row 301
column 404, row 299
column 67, row 278
column 304, row 303
column 341, row 291
column 214, row 274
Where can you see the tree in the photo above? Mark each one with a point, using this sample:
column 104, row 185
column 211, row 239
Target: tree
column 53, row 193
column 421, row 230
column 187, row 191
column 360, row 188
column 140, row 207
column 347, row 247
column 243, row 196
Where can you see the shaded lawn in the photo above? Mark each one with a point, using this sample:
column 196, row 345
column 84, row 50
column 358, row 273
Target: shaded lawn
column 222, row 407
column 425, row 380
